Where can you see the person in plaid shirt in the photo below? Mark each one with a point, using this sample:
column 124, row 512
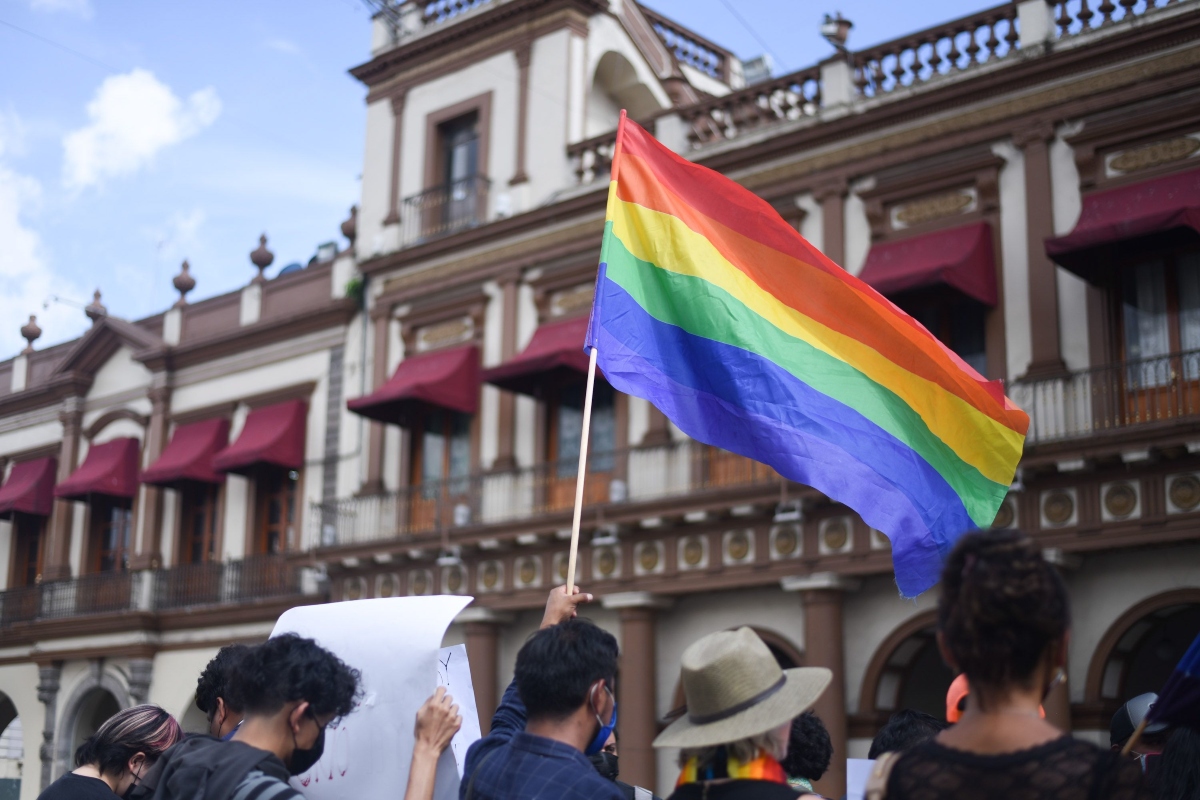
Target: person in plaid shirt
column 558, row 710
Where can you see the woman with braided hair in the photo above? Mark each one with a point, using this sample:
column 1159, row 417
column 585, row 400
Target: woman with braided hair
column 1004, row 620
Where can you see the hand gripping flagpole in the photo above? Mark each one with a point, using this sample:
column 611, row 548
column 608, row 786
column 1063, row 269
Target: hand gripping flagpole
column 587, row 398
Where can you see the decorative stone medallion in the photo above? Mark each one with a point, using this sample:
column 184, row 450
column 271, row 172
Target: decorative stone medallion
column 388, row 585
column 606, row 562
column 1183, row 491
column 786, row 541
column 528, row 572
column 354, row 589
column 835, row 535
column 1006, row 515
column 693, row 552
column 738, row 546
column 420, row 582
column 1120, row 499
column 454, row 578
column 491, row 575
column 1058, row 507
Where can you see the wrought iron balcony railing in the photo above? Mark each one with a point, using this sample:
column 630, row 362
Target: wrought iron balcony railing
column 444, row 210
column 636, row 474
column 188, row 586
column 1108, row 398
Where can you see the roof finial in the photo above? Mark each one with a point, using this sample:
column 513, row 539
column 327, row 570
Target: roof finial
column 95, row 310
column 261, row 258
column 31, row 332
column 350, row 226
column 183, row 283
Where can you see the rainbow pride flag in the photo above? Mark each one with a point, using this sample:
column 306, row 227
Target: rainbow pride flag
column 719, row 313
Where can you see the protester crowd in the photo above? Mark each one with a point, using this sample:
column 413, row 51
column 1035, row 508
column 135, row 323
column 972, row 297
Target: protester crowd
column 746, row 731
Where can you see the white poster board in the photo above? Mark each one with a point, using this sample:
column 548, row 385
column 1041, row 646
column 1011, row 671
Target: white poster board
column 454, row 672
column 857, row 772
column 394, row 643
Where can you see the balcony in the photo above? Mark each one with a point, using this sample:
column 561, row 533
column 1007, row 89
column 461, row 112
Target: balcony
column 189, row 586
column 1162, row 391
column 445, row 210
column 615, row 479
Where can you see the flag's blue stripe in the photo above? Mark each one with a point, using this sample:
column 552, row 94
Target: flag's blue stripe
column 730, row 398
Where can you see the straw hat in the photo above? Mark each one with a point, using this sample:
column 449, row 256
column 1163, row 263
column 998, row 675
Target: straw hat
column 735, row 690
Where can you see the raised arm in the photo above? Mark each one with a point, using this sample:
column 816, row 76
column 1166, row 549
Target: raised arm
column 437, row 722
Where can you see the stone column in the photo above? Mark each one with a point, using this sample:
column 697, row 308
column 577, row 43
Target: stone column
column 1046, row 354
column 58, row 543
column 141, row 673
column 397, row 99
column 637, row 724
column 507, row 422
column 483, row 642
column 831, row 194
column 821, row 594
column 380, row 319
column 47, row 692
column 149, row 551
column 524, row 53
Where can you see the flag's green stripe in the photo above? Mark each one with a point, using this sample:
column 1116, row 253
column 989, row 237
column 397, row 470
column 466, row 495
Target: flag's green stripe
column 702, row 309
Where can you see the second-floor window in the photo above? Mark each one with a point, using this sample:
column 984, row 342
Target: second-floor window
column 29, row 534
column 441, row 450
column 566, row 428
column 275, row 513
column 198, row 518
column 955, row 319
column 111, row 534
column 458, row 145
column 1160, row 314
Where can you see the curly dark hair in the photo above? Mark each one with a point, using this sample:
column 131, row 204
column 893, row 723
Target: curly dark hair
column 809, row 748
column 214, row 681
column 1001, row 609
column 287, row 668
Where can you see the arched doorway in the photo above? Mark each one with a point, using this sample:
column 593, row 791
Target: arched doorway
column 96, row 707
column 616, row 85
column 906, row 672
column 12, row 750
column 1139, row 651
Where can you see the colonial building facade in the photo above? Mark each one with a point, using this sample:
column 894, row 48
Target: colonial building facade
column 403, row 417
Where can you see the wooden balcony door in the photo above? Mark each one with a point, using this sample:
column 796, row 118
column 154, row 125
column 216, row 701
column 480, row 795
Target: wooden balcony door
column 441, row 469
column 275, row 511
column 29, row 534
column 565, row 415
column 1159, row 316
column 199, row 579
column 109, row 549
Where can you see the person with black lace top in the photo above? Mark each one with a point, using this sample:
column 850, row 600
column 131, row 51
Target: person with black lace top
column 1004, row 620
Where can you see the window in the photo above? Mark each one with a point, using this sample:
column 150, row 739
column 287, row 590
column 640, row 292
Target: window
column 955, row 319
column 275, row 491
column 441, row 469
column 29, row 534
column 198, row 523
column 1159, row 315
column 566, row 428
column 111, row 534
column 458, row 142
column 441, row 450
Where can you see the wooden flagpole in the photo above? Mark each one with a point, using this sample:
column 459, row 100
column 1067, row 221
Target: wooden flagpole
column 587, row 408
column 583, row 449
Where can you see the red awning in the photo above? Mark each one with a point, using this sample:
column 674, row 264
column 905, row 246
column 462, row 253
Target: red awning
column 555, row 348
column 958, row 257
column 272, row 435
column 189, row 456
column 29, row 488
column 445, row 378
column 1169, row 203
column 110, row 469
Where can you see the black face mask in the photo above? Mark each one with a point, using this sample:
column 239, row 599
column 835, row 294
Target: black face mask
column 304, row 760
column 605, row 764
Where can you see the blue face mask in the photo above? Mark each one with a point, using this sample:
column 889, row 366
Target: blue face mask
column 605, row 730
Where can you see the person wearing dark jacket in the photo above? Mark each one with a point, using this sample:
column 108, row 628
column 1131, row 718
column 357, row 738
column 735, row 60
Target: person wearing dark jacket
column 607, row 763
column 740, row 707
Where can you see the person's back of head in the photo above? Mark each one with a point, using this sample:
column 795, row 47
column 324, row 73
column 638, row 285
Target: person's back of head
column 213, row 692
column 1176, row 775
column 290, row 668
column 809, row 748
column 146, row 731
column 904, row 729
column 558, row 665
column 1003, row 613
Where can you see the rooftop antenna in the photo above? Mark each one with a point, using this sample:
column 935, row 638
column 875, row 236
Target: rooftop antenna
column 388, row 8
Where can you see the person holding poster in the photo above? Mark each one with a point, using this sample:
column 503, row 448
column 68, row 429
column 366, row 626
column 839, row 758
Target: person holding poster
column 558, row 710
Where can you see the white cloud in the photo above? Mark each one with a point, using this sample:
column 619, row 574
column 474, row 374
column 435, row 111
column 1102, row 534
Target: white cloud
column 80, row 8
column 132, row 118
column 26, row 282
column 284, row 46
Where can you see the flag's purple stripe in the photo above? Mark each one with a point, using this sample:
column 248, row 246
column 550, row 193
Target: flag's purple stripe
column 833, row 450
column 1179, row 700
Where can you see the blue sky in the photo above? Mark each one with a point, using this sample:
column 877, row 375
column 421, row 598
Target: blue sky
column 136, row 134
